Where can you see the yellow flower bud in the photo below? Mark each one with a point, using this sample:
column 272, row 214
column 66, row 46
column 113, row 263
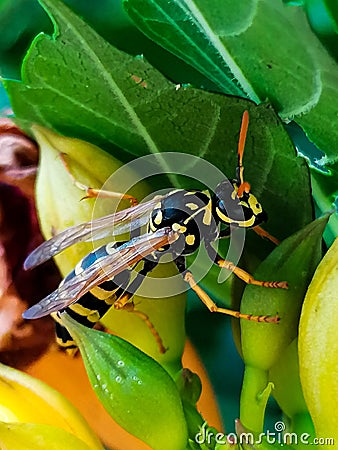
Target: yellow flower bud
column 318, row 347
column 60, row 203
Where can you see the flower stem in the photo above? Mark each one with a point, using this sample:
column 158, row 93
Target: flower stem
column 254, row 396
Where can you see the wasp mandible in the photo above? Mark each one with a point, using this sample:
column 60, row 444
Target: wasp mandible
column 177, row 223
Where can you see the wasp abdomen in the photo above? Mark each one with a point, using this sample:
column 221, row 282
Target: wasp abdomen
column 92, row 306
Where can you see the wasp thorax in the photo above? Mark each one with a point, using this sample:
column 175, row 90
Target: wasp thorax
column 239, row 209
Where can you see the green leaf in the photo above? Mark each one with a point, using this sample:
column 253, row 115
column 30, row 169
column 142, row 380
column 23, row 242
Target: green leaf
column 323, row 18
column 19, row 21
column 183, row 29
column 67, row 80
column 178, row 26
column 298, row 77
column 135, row 390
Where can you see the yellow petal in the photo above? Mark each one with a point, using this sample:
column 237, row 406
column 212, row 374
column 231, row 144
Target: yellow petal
column 32, row 436
column 26, row 399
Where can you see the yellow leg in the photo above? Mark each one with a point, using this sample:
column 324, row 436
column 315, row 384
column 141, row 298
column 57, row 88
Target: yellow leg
column 249, row 279
column 188, row 277
column 264, row 234
column 124, row 304
column 94, row 193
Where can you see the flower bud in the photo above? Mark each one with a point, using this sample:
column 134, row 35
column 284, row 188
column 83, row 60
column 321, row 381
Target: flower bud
column 60, row 203
column 263, row 344
column 318, row 347
column 288, row 392
column 294, row 261
column 135, row 390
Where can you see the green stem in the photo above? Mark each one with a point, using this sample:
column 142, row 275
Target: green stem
column 254, row 396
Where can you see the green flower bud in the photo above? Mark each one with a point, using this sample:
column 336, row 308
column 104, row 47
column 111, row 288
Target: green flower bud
column 294, row 261
column 285, row 377
column 135, row 390
column 189, row 385
column 263, row 344
column 288, row 392
column 318, row 347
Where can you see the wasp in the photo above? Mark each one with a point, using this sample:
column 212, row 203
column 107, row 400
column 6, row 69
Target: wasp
column 177, row 223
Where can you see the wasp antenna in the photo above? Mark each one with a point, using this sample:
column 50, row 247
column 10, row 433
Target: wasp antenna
column 241, row 145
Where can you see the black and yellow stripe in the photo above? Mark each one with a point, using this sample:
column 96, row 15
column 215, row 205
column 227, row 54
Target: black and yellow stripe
column 92, row 306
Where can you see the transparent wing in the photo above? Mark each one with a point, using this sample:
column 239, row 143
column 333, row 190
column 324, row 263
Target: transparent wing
column 111, row 225
column 101, row 270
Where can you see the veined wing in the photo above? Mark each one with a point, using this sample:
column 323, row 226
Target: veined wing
column 111, row 225
column 101, row 270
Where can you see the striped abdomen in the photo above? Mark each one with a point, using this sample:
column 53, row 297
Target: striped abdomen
column 92, row 306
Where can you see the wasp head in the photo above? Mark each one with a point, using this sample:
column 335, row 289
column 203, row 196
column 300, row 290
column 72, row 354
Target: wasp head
column 235, row 205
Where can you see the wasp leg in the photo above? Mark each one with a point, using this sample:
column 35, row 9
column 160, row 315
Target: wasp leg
column 209, row 303
column 240, row 273
column 94, row 193
column 224, row 234
column 258, row 230
column 130, row 307
column 264, row 234
column 124, row 303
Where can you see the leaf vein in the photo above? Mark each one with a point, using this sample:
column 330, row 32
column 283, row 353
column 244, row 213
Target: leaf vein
column 205, row 29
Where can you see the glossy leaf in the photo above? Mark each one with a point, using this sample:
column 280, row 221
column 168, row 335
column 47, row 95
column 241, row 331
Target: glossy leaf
column 68, row 93
column 323, row 18
column 135, row 390
column 179, row 26
column 243, row 39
